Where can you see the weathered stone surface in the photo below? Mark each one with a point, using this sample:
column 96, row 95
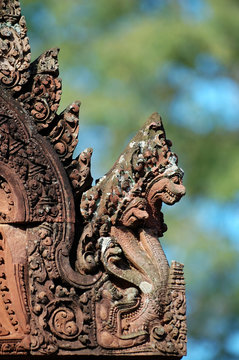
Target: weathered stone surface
column 82, row 270
column 14, row 46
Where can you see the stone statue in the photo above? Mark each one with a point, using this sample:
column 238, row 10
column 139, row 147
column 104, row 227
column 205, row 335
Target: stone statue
column 82, row 270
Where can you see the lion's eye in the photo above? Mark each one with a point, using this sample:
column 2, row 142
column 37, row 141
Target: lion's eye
column 176, row 179
column 141, row 207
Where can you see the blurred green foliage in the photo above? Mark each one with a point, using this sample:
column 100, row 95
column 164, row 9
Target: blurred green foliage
column 126, row 59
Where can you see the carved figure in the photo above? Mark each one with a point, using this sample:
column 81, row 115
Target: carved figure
column 123, row 221
column 82, row 270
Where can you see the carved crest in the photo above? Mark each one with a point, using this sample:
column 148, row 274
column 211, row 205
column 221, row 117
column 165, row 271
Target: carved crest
column 82, row 270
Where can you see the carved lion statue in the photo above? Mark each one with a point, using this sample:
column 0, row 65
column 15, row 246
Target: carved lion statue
column 123, row 221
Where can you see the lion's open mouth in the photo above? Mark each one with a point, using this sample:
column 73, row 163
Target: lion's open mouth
column 166, row 194
column 169, row 196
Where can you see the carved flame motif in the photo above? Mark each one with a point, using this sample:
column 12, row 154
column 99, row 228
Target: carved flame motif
column 82, row 270
column 42, row 99
column 14, row 45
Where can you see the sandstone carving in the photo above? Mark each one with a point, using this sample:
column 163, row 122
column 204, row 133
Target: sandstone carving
column 82, row 270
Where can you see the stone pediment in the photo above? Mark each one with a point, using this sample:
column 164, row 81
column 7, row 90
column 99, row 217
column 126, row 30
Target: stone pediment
column 82, row 270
